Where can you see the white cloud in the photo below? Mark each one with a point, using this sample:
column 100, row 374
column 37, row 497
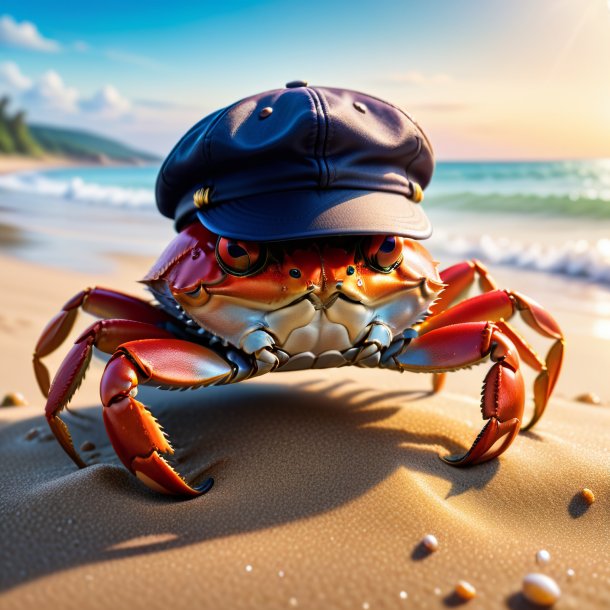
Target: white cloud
column 12, row 77
column 24, row 35
column 107, row 102
column 414, row 77
column 50, row 91
column 149, row 124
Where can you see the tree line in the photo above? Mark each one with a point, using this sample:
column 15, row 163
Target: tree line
column 15, row 135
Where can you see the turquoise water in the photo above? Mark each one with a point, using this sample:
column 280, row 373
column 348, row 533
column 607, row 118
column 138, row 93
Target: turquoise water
column 560, row 188
column 548, row 216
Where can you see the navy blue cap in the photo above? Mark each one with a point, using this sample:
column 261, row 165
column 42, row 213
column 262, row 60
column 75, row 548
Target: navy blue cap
column 300, row 162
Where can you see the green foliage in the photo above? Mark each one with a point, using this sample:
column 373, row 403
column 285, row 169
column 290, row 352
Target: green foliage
column 22, row 138
column 17, row 137
column 86, row 145
column 6, row 140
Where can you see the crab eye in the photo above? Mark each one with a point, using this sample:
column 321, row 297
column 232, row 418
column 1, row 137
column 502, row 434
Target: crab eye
column 239, row 257
column 383, row 252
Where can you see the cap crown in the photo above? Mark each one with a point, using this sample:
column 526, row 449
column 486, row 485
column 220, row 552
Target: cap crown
column 294, row 139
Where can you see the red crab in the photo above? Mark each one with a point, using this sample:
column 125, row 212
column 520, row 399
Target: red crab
column 227, row 310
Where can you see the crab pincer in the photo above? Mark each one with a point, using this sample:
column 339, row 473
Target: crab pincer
column 134, row 433
column 461, row 345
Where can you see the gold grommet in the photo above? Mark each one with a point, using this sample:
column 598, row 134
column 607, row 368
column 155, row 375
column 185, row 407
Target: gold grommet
column 417, row 193
column 201, row 197
column 265, row 112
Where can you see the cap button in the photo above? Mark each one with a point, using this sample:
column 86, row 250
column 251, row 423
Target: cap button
column 201, row 197
column 417, row 193
column 293, row 84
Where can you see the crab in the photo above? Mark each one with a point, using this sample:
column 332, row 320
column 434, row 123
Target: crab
column 227, row 310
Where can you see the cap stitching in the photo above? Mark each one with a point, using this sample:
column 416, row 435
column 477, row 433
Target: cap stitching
column 325, row 114
column 414, row 158
column 315, row 122
column 398, row 108
column 322, row 124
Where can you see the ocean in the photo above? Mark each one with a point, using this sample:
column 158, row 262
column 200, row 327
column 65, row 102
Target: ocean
column 552, row 217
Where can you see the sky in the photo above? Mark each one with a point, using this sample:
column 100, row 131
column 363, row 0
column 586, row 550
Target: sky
column 486, row 79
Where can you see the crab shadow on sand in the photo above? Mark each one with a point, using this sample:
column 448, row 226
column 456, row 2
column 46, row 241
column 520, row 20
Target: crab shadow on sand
column 278, row 453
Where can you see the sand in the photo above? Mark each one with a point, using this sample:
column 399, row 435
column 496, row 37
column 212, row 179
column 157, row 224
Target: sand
column 20, row 163
column 326, row 482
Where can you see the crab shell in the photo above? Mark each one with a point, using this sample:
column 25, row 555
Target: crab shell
column 317, row 298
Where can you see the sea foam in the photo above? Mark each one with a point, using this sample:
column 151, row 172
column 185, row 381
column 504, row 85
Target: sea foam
column 580, row 258
column 77, row 189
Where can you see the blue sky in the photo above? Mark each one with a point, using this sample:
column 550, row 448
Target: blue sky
column 479, row 74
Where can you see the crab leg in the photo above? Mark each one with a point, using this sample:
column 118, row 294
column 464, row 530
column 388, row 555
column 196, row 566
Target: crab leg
column 101, row 302
column 134, row 433
column 462, row 345
column 499, row 306
column 106, row 335
column 458, row 279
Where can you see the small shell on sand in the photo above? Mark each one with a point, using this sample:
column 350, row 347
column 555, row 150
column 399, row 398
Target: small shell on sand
column 31, row 434
column 541, row 589
column 430, row 542
column 588, row 495
column 590, row 398
column 465, row 590
column 14, row 399
column 543, row 557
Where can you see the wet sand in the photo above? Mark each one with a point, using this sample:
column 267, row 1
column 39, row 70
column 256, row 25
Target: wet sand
column 326, row 481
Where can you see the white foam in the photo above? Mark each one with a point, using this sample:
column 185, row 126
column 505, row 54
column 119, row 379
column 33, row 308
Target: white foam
column 76, row 189
column 581, row 258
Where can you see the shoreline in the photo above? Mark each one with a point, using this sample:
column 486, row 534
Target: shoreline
column 14, row 164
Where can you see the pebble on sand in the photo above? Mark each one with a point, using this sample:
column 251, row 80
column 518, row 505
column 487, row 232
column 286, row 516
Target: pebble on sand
column 465, row 590
column 430, row 542
column 14, row 399
column 543, row 557
column 590, row 398
column 540, row 589
column 588, row 495
column 31, row 434
column 87, row 446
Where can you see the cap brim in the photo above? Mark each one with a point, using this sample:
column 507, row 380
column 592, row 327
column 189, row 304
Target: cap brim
column 316, row 213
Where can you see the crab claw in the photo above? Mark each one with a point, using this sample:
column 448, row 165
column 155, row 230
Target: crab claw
column 503, row 396
column 502, row 403
column 105, row 335
column 134, row 433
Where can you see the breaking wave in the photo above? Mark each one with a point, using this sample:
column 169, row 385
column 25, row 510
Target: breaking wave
column 75, row 188
column 578, row 258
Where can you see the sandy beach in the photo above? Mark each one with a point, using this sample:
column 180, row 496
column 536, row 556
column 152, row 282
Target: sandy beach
column 325, row 481
column 20, row 163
